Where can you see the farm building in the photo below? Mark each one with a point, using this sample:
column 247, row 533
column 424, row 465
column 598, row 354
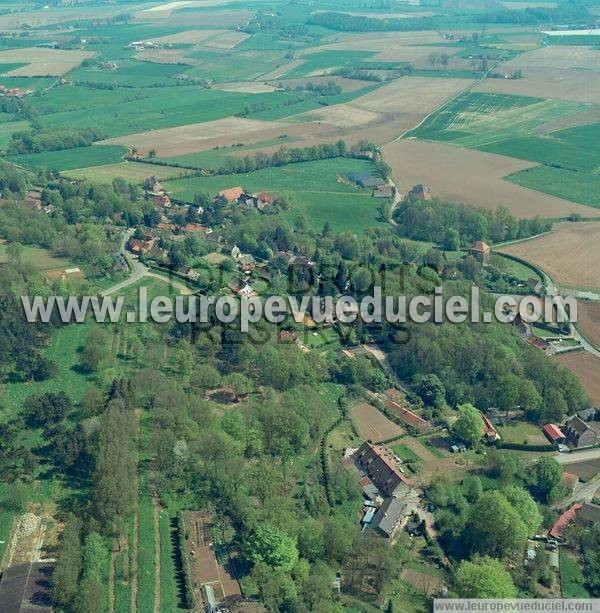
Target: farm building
column 383, row 191
column 408, row 417
column 553, row 433
column 139, row 246
column 420, row 192
column 161, row 200
column 366, row 179
column 480, row 251
column 26, row 587
column 585, row 514
column 389, row 517
column 578, row 433
column 380, row 466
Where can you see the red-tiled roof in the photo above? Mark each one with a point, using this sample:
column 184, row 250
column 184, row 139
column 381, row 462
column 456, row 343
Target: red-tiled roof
column 408, row 416
column 553, row 432
column 564, row 520
column 231, row 194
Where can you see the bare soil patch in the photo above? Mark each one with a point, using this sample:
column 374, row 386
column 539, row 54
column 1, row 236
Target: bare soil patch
column 472, row 177
column 373, row 425
column 205, row 136
column 412, row 96
column 43, row 62
column 570, row 254
column 340, row 115
column 226, row 40
column 587, row 367
column 423, row 582
column 558, row 71
column 589, row 320
column 191, row 37
column 581, row 118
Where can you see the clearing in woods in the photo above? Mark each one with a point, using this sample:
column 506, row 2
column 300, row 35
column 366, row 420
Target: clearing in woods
column 372, row 425
column 569, row 254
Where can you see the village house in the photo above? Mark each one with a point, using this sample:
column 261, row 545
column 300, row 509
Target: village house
column 480, row 251
column 140, row 246
column 578, row 433
column 246, row 262
column 380, row 465
column 295, row 260
column 420, row 192
column 241, row 289
column 489, row 431
column 390, row 517
column 162, row 200
column 585, row 514
column 233, row 194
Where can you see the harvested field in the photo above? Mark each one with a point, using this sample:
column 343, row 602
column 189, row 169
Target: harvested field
column 582, row 118
column 247, row 87
column 570, row 254
column 561, row 71
column 589, row 320
column 372, row 425
column 190, row 37
column 587, row 368
column 208, row 135
column 227, row 40
column 566, row 84
column 378, row 41
column 472, row 177
column 43, row 62
column 339, row 115
column 412, row 97
column 165, row 56
column 135, row 172
column 190, row 19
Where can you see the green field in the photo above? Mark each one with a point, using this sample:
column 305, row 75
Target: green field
column 129, row 73
column 572, row 185
column 68, row 159
column 146, row 555
column 323, row 62
column 571, row 578
column 405, row 453
column 129, row 110
column 317, row 189
column 8, row 128
column 476, row 120
column 135, row 172
column 240, row 66
column 40, row 259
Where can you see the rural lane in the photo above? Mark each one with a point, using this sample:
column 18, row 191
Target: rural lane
column 140, row 271
column 576, row 457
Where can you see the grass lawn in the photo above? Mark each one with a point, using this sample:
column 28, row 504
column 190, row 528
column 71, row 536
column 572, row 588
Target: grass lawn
column 519, row 432
column 71, row 158
column 317, row 189
column 405, row 453
column 146, row 555
column 40, row 259
column 64, row 350
column 517, row 269
column 571, row 578
column 8, row 128
column 135, row 172
column 6, row 520
column 325, row 338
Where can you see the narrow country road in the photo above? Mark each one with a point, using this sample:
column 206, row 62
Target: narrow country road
column 584, row 493
column 578, row 456
column 140, row 271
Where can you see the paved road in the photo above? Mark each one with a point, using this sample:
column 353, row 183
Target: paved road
column 138, row 271
column 584, row 493
column 578, row 456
